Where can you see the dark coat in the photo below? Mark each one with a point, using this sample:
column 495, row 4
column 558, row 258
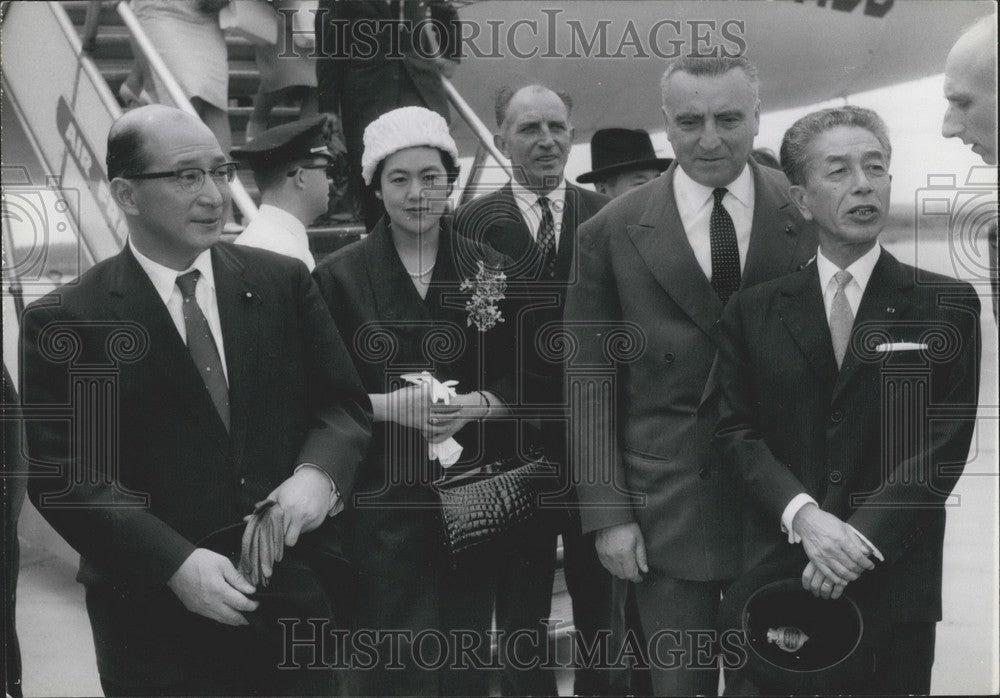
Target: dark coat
column 294, row 395
column 494, row 219
column 365, row 73
column 393, row 525
column 132, row 465
column 645, row 321
column 858, row 440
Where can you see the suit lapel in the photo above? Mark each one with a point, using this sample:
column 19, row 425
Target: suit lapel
column 886, row 299
column 773, row 234
column 509, row 233
column 134, row 299
column 239, row 308
column 567, row 236
column 577, row 210
column 802, row 311
column 396, row 298
column 663, row 246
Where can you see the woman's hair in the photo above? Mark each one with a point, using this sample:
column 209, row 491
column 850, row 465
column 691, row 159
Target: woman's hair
column 449, row 163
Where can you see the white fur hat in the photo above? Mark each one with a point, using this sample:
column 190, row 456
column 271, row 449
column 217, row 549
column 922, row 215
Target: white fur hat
column 406, row 127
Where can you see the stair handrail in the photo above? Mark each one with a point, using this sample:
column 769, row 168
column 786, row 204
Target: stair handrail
column 479, row 129
column 89, row 67
column 476, row 125
column 240, row 196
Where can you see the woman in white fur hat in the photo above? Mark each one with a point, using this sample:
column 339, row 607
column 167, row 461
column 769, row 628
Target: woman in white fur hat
column 398, row 299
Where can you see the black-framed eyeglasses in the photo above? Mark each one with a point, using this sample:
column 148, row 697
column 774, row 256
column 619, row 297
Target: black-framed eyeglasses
column 192, row 179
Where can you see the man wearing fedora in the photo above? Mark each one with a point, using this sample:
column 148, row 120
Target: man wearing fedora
column 849, row 393
column 657, row 265
column 623, row 159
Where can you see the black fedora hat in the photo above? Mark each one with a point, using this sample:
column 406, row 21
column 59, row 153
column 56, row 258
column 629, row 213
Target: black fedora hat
column 793, row 642
column 614, row 150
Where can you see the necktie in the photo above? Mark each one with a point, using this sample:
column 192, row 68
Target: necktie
column 725, row 252
column 841, row 317
column 202, row 346
column 547, row 237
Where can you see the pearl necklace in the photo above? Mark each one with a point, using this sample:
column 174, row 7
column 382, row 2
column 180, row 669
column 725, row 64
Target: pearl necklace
column 421, row 274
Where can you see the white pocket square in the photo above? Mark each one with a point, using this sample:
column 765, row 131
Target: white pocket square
column 900, row 346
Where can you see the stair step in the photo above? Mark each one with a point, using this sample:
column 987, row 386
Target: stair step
column 113, row 43
column 113, row 56
column 77, row 11
column 239, row 116
column 243, row 77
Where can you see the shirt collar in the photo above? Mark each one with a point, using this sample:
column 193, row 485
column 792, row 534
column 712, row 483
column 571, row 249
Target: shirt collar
column 741, row 188
column 526, row 198
column 860, row 270
column 165, row 279
column 283, row 218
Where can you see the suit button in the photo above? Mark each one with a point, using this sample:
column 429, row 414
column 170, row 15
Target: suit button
column 704, row 473
column 836, row 416
column 669, row 357
column 836, row 477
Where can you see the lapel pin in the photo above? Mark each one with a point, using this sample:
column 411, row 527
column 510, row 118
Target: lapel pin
column 248, row 296
column 789, row 228
column 890, row 310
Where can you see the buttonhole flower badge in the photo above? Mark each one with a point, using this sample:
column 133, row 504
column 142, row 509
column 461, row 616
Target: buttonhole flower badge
column 487, row 287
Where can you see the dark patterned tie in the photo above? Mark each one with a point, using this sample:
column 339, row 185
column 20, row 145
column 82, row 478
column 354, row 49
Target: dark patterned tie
column 547, row 237
column 725, row 252
column 202, row 346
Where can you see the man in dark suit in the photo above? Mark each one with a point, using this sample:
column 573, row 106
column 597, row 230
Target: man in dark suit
column 199, row 378
column 849, row 395
column 533, row 219
column 656, row 268
column 375, row 59
column 622, row 159
column 970, row 86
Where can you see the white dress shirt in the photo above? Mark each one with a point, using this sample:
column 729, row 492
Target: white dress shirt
column 277, row 230
column 695, row 203
column 861, row 272
column 165, row 282
column 531, row 210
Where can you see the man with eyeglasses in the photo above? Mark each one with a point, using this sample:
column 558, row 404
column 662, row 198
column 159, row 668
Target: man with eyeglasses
column 292, row 164
column 200, row 378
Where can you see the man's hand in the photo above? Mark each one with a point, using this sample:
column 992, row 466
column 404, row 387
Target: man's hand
column 817, row 583
column 833, row 547
column 209, row 585
column 305, row 499
column 622, row 551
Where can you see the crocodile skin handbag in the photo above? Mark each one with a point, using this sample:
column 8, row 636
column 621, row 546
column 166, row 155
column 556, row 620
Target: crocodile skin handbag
column 483, row 505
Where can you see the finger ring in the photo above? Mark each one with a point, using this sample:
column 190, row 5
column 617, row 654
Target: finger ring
column 826, row 585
